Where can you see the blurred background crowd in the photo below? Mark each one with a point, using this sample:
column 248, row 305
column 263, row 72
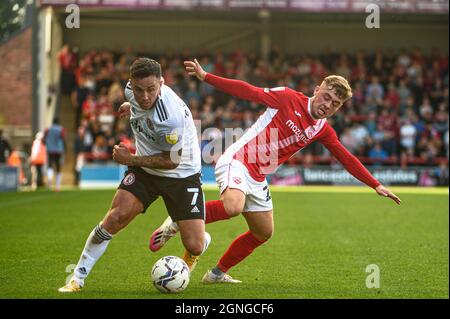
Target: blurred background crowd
column 398, row 114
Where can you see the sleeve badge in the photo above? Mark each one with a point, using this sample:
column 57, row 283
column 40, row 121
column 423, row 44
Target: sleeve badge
column 172, row 137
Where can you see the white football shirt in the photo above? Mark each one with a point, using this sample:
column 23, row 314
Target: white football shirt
column 167, row 126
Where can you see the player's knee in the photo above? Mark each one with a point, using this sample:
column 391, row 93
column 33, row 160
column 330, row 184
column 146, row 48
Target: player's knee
column 263, row 234
column 233, row 208
column 196, row 251
column 195, row 248
column 194, row 245
column 115, row 220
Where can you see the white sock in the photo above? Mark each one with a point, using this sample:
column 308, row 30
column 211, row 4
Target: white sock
column 96, row 245
column 207, row 242
column 49, row 177
column 174, row 226
column 58, row 181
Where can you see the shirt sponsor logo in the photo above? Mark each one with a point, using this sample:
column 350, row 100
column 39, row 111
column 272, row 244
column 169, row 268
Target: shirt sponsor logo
column 139, row 129
column 150, row 124
column 299, row 132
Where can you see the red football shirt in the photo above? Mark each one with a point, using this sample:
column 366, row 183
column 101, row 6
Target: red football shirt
column 285, row 128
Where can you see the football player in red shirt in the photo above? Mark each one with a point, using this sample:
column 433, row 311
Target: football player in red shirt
column 291, row 122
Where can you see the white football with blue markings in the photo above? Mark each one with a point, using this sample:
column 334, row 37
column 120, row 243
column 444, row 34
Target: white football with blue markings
column 170, row 274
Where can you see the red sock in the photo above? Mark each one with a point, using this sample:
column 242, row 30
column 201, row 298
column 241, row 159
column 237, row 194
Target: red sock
column 215, row 211
column 240, row 248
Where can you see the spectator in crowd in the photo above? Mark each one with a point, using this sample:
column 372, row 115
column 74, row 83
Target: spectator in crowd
column 247, row 120
column 360, row 134
column 349, row 140
column 403, row 92
column 89, row 107
column 388, row 122
column 79, row 96
column 192, row 95
column 442, row 175
column 408, row 136
column 441, row 119
column 78, row 148
column 207, row 116
column 38, row 160
column 55, row 143
column 426, row 110
column 15, row 160
column 116, row 94
column 392, row 96
column 68, row 59
column 446, row 143
column 5, row 148
column 378, row 155
column 371, row 123
column 375, row 90
column 100, row 148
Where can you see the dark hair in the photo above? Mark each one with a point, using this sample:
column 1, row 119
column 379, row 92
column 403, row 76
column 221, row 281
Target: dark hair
column 143, row 67
column 56, row 120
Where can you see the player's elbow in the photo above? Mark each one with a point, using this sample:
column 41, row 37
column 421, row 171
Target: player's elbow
column 172, row 159
column 172, row 165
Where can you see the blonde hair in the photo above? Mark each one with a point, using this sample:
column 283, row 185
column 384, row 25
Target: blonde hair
column 340, row 86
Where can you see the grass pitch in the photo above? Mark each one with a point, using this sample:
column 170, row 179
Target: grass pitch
column 323, row 241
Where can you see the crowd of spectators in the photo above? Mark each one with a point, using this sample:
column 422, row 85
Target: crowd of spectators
column 398, row 114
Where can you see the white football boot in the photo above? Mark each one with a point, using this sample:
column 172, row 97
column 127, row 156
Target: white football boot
column 210, row 278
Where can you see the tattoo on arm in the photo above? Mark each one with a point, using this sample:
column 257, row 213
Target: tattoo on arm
column 165, row 160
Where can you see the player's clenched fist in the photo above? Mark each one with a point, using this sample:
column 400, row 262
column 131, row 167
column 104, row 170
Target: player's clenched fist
column 124, row 110
column 194, row 68
column 121, row 154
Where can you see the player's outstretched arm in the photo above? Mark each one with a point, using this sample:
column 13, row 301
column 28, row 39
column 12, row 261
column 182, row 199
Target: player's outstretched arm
column 383, row 191
column 237, row 88
column 352, row 164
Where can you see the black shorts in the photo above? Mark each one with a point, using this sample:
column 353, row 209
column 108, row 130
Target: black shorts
column 183, row 197
column 54, row 160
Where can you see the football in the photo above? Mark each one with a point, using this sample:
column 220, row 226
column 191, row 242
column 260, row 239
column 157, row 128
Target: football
column 170, row 274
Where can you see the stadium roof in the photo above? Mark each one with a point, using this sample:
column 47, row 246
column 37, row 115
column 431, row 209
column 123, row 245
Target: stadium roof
column 343, row 6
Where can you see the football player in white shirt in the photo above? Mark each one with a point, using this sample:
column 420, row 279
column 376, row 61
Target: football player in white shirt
column 166, row 163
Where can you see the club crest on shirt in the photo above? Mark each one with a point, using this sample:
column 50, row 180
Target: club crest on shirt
column 310, row 132
column 172, row 137
column 237, row 180
column 129, row 179
column 150, row 124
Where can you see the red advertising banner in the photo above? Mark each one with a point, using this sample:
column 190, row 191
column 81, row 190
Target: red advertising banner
column 350, row 6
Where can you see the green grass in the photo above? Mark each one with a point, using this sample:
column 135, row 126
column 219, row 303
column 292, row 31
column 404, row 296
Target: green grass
column 321, row 246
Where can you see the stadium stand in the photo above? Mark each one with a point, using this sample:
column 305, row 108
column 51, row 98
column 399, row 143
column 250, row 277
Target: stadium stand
column 398, row 114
